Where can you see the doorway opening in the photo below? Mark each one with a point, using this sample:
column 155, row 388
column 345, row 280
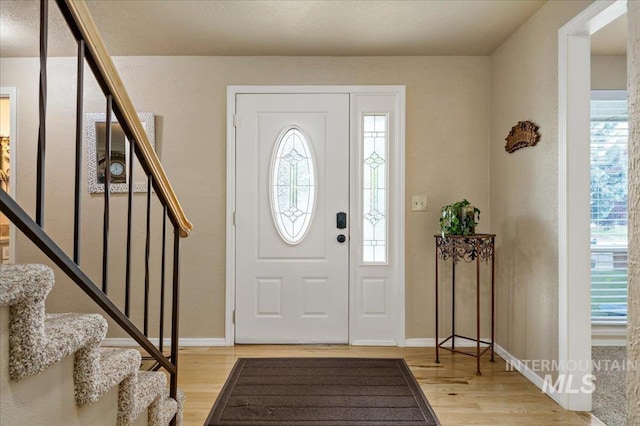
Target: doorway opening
column 574, row 96
column 7, row 168
column 609, row 216
column 609, row 183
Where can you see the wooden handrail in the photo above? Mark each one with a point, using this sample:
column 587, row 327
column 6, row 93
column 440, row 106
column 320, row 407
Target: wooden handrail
column 81, row 22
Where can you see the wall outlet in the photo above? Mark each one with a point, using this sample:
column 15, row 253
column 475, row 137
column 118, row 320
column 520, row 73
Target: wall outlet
column 419, row 203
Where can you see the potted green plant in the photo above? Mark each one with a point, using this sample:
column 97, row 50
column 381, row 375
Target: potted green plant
column 459, row 218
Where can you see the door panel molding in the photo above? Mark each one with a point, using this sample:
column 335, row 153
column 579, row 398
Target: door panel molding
column 394, row 300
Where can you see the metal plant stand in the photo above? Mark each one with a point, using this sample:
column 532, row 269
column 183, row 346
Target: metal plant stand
column 469, row 248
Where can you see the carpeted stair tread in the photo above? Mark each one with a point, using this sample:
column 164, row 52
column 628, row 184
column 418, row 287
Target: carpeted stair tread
column 172, row 407
column 21, row 282
column 34, row 347
column 168, row 407
column 179, row 396
column 116, row 361
column 38, row 340
column 139, row 392
column 151, row 384
column 72, row 331
column 94, row 379
column 180, row 413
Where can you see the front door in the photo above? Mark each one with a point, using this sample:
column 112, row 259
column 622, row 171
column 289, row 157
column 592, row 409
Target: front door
column 292, row 205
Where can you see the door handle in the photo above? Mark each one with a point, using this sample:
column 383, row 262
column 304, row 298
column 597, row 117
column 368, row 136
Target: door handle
column 341, row 220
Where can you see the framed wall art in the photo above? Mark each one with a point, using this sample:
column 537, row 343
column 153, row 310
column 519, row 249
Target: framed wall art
column 119, row 168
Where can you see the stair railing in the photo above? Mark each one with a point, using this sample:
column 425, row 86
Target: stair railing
column 92, row 50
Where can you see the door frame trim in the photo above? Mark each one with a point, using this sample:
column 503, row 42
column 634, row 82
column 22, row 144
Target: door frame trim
column 398, row 185
column 574, row 95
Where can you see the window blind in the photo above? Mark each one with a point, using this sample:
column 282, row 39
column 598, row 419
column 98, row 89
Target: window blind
column 609, row 165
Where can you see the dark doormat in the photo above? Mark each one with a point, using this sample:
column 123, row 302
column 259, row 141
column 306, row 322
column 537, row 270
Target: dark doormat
column 321, row 391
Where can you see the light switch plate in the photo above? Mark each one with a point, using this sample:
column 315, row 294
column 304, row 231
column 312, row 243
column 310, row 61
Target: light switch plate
column 419, row 203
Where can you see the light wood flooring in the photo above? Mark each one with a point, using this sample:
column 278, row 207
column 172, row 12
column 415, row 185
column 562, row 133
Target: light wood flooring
column 457, row 395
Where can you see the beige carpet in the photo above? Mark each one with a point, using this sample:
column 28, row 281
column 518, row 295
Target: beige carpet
column 609, row 400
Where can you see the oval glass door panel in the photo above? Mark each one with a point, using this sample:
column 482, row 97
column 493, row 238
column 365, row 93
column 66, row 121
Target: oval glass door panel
column 293, row 184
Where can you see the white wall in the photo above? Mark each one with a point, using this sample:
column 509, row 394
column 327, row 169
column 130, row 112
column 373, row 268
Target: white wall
column 446, row 150
column 524, row 184
column 608, row 72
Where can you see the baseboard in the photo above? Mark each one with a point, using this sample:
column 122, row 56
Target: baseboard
column 374, row 343
column 609, row 335
column 608, row 341
column 430, row 342
column 525, row 371
column 182, row 342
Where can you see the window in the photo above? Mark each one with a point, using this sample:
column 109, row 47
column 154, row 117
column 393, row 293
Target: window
column 374, row 196
column 609, row 164
column 292, row 185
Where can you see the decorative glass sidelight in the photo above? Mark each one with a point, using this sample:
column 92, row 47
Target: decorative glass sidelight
column 374, row 182
column 293, row 185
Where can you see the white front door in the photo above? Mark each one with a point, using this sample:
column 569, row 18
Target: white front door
column 292, row 181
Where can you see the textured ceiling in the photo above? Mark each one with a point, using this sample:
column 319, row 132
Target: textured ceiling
column 292, row 28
